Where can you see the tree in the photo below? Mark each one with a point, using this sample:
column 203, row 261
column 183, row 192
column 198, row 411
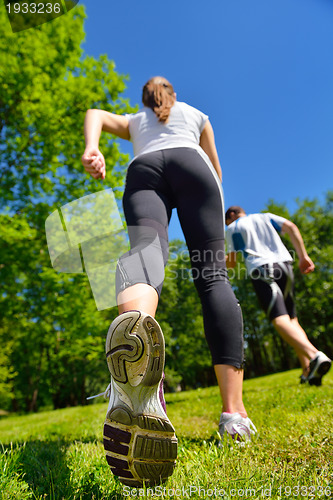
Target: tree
column 47, row 84
column 314, row 292
column 49, row 324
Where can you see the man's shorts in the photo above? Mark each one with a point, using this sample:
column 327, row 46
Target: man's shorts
column 274, row 286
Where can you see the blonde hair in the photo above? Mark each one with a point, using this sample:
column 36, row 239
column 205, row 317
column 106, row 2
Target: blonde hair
column 159, row 96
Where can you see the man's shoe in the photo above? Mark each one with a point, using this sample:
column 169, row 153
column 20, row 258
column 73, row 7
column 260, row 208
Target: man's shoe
column 139, row 439
column 319, row 366
column 236, row 426
column 303, row 379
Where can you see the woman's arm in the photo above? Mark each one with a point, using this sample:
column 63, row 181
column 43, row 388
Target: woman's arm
column 95, row 121
column 207, row 142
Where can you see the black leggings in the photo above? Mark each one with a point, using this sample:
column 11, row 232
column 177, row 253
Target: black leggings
column 181, row 178
column 274, row 286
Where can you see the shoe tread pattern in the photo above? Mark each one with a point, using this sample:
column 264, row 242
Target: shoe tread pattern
column 124, row 347
column 136, row 456
column 140, row 448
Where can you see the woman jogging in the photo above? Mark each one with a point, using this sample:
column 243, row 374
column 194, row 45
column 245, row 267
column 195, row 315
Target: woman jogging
column 175, row 165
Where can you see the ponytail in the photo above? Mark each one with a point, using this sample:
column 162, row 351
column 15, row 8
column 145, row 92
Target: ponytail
column 158, row 95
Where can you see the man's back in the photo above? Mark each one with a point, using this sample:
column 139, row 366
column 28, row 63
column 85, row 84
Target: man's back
column 256, row 236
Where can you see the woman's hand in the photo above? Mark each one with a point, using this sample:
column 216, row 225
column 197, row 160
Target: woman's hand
column 94, row 162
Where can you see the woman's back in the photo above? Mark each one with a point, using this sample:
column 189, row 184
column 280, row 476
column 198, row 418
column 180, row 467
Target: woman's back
column 183, row 129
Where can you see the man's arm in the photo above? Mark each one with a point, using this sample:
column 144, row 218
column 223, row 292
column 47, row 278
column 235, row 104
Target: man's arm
column 305, row 263
column 231, row 260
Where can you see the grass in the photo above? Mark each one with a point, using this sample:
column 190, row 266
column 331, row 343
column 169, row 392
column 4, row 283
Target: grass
column 59, row 454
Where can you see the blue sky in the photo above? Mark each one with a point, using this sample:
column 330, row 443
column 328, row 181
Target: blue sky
column 261, row 69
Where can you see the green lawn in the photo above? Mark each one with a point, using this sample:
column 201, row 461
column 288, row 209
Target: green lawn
column 59, row 454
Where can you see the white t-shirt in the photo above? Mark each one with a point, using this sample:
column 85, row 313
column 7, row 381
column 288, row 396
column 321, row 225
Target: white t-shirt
column 256, row 236
column 183, row 129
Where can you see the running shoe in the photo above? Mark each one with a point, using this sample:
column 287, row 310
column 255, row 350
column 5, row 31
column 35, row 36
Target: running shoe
column 236, row 426
column 319, row 366
column 139, row 439
column 303, row 379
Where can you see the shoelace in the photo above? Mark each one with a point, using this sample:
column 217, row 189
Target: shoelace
column 247, row 427
column 251, row 426
column 240, row 430
column 106, row 393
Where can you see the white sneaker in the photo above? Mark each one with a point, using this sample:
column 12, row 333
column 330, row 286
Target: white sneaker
column 319, row 366
column 139, row 439
column 236, row 426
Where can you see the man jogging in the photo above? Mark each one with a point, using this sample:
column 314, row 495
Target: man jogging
column 269, row 264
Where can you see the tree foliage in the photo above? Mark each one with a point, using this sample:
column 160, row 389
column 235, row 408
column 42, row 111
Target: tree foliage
column 47, row 84
column 52, row 333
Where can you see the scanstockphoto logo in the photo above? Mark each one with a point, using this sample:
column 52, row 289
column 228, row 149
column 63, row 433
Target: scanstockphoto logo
column 87, row 235
column 26, row 14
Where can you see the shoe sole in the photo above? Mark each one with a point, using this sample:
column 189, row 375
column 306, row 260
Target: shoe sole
column 139, row 439
column 319, row 372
